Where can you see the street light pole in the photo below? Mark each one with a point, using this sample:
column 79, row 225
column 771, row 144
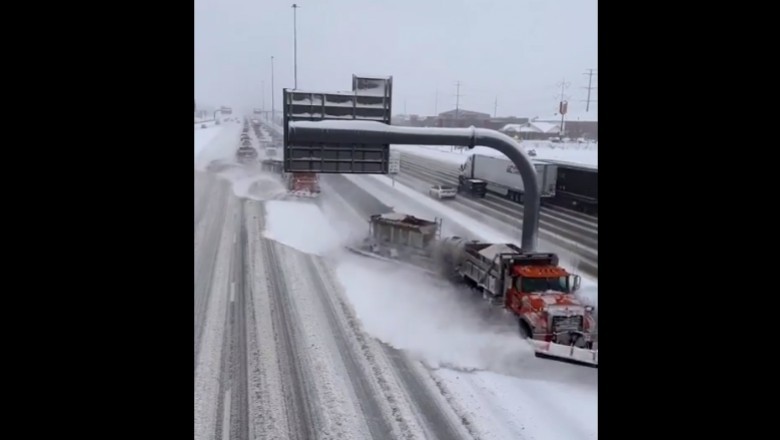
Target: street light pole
column 295, row 42
column 273, row 107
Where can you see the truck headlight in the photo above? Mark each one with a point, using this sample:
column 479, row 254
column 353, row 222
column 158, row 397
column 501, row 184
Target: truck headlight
column 589, row 309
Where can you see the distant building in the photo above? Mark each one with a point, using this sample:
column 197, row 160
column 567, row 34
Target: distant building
column 533, row 130
column 498, row 123
column 461, row 118
column 458, row 118
column 577, row 125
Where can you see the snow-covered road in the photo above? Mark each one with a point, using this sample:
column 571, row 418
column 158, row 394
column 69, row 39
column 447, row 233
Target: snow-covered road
column 282, row 354
column 296, row 338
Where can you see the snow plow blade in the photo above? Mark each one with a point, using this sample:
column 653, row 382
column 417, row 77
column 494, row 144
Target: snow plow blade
column 565, row 353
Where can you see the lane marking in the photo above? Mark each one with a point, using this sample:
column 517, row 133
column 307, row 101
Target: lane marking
column 232, row 290
column 234, row 237
column 226, row 417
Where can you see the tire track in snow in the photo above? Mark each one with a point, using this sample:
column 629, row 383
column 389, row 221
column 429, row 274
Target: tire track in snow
column 267, row 406
column 429, row 407
column 208, row 368
column 331, row 400
column 412, row 399
column 203, row 189
column 485, row 424
column 206, row 258
column 241, row 382
column 385, row 419
column 301, row 416
column 235, row 377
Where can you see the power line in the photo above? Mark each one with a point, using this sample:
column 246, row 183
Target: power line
column 590, row 87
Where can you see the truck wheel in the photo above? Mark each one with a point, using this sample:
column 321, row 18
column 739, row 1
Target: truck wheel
column 525, row 330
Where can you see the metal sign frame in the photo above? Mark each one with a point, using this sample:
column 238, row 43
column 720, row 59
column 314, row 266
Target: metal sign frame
column 370, row 100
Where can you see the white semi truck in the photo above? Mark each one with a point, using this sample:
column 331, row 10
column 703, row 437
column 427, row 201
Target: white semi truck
column 500, row 176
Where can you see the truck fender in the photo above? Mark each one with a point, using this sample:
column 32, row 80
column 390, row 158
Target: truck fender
column 526, row 330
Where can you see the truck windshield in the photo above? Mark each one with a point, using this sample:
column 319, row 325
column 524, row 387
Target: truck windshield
column 542, row 285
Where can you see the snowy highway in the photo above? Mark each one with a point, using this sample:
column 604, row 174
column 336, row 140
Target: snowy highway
column 297, row 338
column 292, row 361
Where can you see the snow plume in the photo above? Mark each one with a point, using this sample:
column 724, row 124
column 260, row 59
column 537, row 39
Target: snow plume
column 249, row 181
column 443, row 324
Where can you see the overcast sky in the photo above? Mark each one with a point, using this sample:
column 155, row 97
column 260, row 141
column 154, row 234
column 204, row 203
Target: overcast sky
column 517, row 50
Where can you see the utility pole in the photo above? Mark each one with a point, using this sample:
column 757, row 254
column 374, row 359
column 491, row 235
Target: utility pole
column 295, row 42
column 262, row 87
column 495, row 108
column 564, row 85
column 273, row 107
column 590, row 87
column 457, row 100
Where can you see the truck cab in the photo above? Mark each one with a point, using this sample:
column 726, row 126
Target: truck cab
column 543, row 297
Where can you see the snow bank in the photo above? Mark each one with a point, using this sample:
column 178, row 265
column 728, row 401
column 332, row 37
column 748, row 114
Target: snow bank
column 300, row 225
column 221, row 145
column 204, row 136
column 552, row 411
column 510, row 408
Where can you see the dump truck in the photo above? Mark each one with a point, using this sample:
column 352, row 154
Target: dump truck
column 531, row 285
column 402, row 238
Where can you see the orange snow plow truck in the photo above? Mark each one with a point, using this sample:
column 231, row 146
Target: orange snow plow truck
column 534, row 288
column 303, row 184
column 529, row 284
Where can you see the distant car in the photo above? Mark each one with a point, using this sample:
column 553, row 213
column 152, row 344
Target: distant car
column 443, row 192
column 532, row 153
column 202, row 125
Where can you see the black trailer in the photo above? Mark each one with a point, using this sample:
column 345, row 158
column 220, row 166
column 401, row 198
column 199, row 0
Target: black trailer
column 577, row 188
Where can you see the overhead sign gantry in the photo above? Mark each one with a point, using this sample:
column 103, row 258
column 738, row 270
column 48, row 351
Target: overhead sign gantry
column 369, row 100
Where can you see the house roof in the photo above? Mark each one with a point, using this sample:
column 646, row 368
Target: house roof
column 465, row 113
column 532, row 127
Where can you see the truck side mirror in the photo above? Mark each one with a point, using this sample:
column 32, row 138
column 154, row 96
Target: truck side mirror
column 575, row 283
